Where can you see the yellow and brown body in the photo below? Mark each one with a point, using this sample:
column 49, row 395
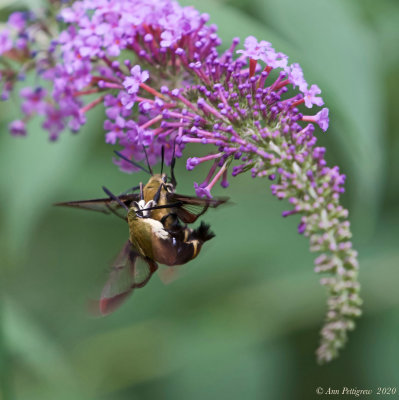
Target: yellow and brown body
column 150, row 238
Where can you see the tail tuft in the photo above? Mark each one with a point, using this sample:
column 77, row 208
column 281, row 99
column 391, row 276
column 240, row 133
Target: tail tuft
column 203, row 232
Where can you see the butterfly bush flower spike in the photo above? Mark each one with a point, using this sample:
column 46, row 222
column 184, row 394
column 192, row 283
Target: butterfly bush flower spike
column 156, row 70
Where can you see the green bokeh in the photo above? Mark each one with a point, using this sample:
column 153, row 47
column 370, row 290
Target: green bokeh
column 242, row 322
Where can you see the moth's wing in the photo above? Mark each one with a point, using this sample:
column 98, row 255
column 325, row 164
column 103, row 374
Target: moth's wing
column 129, row 271
column 193, row 207
column 170, row 274
column 106, row 205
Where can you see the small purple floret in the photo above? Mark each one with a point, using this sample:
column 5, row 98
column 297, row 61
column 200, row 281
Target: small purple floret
column 295, row 76
column 301, row 228
column 5, row 41
column 132, row 83
column 201, row 191
column 192, row 163
column 253, row 49
column 17, row 20
column 322, row 119
column 17, row 128
column 310, row 97
column 34, row 100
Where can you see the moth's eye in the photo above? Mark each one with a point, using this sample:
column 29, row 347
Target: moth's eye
column 132, row 213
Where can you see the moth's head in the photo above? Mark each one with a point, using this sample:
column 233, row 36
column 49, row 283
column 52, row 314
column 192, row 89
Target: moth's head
column 154, row 182
column 136, row 210
column 157, row 181
column 132, row 214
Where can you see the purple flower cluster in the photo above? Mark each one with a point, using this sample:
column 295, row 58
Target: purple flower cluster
column 82, row 61
column 250, row 104
column 15, row 42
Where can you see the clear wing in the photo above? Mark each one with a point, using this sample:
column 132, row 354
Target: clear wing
column 193, row 207
column 170, row 274
column 129, row 271
column 106, row 206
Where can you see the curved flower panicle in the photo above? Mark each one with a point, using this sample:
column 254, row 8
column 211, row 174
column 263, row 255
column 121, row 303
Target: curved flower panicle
column 250, row 107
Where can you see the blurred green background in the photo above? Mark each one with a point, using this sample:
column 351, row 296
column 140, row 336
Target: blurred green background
column 243, row 321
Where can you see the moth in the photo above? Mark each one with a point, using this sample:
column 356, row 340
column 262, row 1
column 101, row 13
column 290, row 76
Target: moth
column 157, row 217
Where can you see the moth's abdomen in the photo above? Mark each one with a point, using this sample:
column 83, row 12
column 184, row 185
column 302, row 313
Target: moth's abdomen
column 176, row 250
column 151, row 240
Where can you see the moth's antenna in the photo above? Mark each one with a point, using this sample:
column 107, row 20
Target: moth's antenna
column 115, row 198
column 141, row 191
column 158, row 194
column 148, row 163
column 132, row 162
column 162, row 158
column 132, row 189
column 172, row 166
